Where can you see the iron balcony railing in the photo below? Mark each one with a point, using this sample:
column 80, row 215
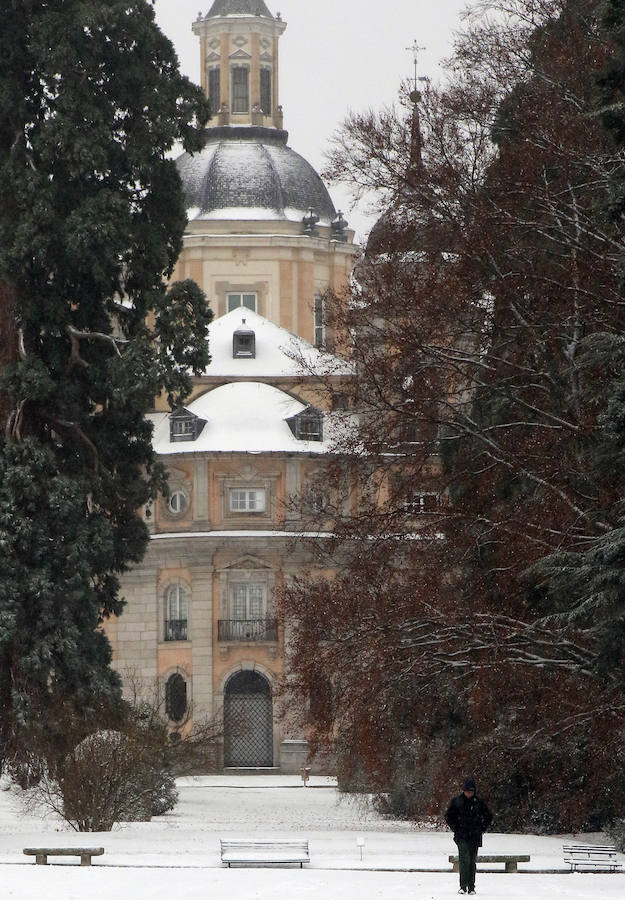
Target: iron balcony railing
column 248, row 630
column 176, row 630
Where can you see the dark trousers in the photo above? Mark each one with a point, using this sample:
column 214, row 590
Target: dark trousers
column 467, row 853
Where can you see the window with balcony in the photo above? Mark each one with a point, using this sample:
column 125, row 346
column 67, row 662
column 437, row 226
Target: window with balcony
column 248, row 614
column 176, row 605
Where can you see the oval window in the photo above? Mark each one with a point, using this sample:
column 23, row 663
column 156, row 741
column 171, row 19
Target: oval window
column 176, row 697
column 178, row 502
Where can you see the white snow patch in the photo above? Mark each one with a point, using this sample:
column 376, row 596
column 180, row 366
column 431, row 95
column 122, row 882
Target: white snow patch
column 178, row 854
column 278, row 352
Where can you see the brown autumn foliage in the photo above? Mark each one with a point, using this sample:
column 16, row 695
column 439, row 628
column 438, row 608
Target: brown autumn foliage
column 435, row 649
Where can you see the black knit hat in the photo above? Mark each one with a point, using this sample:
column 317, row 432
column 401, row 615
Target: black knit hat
column 468, row 784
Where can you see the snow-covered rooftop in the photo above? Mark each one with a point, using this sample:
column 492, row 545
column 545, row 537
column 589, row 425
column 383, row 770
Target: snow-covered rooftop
column 249, row 172
column 244, row 417
column 279, row 352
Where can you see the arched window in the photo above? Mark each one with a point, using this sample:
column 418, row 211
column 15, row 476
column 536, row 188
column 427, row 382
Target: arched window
column 176, row 613
column 176, row 697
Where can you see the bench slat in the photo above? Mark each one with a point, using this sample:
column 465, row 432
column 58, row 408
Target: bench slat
column 265, row 851
column 590, row 856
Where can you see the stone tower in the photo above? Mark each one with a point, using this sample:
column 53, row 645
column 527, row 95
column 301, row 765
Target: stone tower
column 239, row 50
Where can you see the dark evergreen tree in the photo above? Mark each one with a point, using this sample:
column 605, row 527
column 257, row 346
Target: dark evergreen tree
column 91, row 224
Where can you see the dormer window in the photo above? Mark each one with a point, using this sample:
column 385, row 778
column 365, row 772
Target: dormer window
column 307, row 425
column 243, row 343
column 185, row 425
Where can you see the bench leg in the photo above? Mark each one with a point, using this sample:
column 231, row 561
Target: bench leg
column 456, row 866
column 85, row 859
column 511, row 865
column 41, row 859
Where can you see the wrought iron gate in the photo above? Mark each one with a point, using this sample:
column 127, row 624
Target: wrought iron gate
column 248, row 721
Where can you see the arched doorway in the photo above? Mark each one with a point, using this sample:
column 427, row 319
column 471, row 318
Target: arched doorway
column 248, row 721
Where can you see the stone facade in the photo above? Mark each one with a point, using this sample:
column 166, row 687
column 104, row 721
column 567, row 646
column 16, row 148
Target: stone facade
column 201, row 605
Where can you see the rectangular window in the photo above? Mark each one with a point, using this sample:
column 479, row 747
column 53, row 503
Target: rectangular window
column 247, row 500
column 247, row 601
column 183, row 428
column 240, row 90
column 319, row 325
column 249, row 301
column 310, row 428
column 214, row 90
column 265, row 91
column 421, row 502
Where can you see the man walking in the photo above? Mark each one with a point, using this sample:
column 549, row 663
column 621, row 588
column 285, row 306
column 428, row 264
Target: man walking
column 468, row 816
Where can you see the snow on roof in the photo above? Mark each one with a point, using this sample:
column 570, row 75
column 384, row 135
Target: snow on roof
column 249, row 172
column 244, row 417
column 278, row 352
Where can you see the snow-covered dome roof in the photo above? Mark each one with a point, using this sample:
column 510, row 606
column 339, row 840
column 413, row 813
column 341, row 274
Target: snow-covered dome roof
column 239, row 8
column 243, row 417
column 248, row 172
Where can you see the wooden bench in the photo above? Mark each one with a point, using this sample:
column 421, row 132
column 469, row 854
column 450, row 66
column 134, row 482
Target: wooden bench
column 590, row 856
column 264, row 852
column 41, row 854
column 511, row 862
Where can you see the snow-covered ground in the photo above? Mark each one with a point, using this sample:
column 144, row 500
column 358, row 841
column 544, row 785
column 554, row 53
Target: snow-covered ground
column 178, row 855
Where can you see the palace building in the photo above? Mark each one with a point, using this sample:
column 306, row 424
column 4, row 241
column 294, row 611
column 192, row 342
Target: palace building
column 264, row 242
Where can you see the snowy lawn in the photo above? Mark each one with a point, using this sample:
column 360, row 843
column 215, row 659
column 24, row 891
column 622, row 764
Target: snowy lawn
column 178, row 854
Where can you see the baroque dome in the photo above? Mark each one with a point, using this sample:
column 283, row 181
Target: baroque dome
column 248, row 172
column 239, row 8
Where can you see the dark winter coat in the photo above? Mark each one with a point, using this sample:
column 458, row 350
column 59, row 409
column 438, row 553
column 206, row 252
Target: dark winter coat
column 468, row 818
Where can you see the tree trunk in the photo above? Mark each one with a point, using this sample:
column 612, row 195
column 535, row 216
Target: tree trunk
column 8, row 341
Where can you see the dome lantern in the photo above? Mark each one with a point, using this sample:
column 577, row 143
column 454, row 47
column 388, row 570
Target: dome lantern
column 239, row 62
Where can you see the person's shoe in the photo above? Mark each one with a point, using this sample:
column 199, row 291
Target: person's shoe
column 471, row 890
column 462, row 890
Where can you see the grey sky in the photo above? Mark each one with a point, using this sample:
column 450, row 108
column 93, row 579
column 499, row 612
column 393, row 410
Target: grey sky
column 336, row 55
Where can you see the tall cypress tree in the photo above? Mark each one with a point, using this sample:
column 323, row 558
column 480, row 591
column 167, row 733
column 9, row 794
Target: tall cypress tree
column 91, row 224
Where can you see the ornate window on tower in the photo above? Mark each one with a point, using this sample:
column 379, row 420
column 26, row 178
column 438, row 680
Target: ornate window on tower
column 265, row 91
column 240, row 89
column 214, row 89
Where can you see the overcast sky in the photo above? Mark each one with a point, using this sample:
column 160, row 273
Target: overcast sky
column 335, row 55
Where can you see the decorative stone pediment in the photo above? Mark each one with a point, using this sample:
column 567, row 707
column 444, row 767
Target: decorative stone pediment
column 240, row 55
column 248, row 563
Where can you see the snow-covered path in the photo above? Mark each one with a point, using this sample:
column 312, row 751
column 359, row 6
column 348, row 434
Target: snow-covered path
column 178, row 854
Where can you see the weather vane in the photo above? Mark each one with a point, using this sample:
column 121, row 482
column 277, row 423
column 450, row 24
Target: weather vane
column 415, row 50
